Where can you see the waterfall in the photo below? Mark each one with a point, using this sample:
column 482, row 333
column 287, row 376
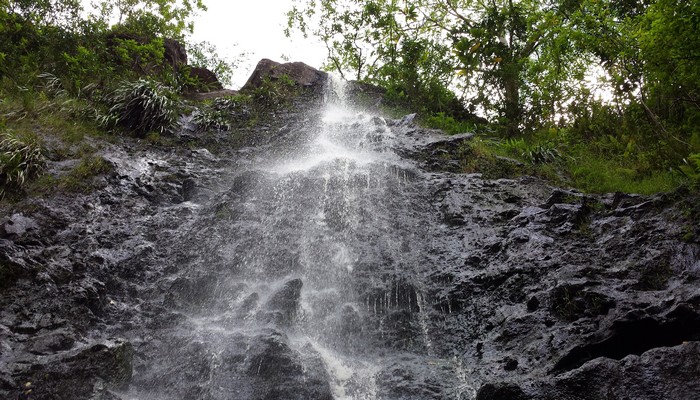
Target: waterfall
column 315, row 256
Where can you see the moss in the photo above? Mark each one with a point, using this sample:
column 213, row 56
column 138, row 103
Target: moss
column 447, row 123
column 79, row 179
column 477, row 156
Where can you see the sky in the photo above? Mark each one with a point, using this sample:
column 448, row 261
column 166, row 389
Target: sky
column 254, row 27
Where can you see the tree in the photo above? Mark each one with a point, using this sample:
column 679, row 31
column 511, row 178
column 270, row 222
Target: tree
column 501, row 54
column 55, row 36
column 167, row 18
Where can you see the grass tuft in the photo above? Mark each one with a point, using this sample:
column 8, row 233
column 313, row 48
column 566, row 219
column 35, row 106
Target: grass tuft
column 141, row 107
column 21, row 159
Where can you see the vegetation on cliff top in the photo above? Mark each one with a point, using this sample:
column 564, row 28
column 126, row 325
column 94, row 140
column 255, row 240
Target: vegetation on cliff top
column 605, row 91
column 517, row 73
column 68, row 74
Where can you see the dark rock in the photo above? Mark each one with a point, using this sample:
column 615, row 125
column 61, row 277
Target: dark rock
column 364, row 94
column 189, row 189
column 300, row 73
column 636, row 336
column 193, row 291
column 501, row 391
column 286, row 374
column 661, row 373
column 510, row 364
column 408, row 379
column 572, row 302
column 51, row 343
column 533, row 304
column 175, row 53
column 91, row 372
column 286, row 300
column 205, row 80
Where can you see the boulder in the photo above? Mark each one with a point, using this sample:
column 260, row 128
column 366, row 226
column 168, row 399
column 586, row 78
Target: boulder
column 17, row 225
column 205, row 80
column 300, row 73
column 283, row 373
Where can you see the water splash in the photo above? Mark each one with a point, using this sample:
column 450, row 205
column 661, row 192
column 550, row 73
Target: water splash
column 322, row 212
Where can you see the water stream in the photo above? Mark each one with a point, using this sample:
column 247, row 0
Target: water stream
column 323, row 257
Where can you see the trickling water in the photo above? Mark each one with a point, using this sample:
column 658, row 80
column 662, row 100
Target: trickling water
column 316, row 290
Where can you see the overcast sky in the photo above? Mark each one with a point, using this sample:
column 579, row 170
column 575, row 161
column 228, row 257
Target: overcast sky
column 255, row 27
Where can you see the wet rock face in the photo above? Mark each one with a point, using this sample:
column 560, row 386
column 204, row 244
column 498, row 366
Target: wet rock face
column 94, row 371
column 284, row 303
column 209, row 275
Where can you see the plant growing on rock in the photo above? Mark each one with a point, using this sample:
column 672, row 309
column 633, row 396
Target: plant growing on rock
column 542, row 153
column 274, row 93
column 143, row 106
column 21, row 158
column 221, row 113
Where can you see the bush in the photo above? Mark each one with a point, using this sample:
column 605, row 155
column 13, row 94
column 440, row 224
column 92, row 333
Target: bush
column 21, row 158
column 543, row 153
column 691, row 168
column 222, row 112
column 143, row 106
column 274, row 94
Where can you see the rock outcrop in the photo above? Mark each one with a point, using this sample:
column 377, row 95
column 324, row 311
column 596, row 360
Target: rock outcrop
column 178, row 277
column 297, row 72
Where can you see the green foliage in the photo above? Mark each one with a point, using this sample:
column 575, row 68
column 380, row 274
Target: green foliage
column 222, row 113
column 57, row 37
column 482, row 156
column 690, row 168
column 205, row 55
column 509, row 57
column 598, row 175
column 571, row 302
column 79, row 179
column 21, row 159
column 273, row 94
column 448, row 123
column 143, row 106
column 543, row 153
column 655, row 275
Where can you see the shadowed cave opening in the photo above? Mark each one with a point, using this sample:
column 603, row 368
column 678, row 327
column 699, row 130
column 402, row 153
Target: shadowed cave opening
column 636, row 337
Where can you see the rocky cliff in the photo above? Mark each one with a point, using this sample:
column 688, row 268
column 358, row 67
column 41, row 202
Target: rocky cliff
column 185, row 274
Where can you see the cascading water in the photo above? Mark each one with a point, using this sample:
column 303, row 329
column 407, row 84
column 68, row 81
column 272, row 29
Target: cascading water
column 311, row 268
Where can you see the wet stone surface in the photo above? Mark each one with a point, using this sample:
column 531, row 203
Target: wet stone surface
column 283, row 269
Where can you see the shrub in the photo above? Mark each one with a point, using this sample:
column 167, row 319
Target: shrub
column 273, row 94
column 21, row 158
column 691, row 167
column 143, row 106
column 543, row 153
column 221, row 113
column 210, row 119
